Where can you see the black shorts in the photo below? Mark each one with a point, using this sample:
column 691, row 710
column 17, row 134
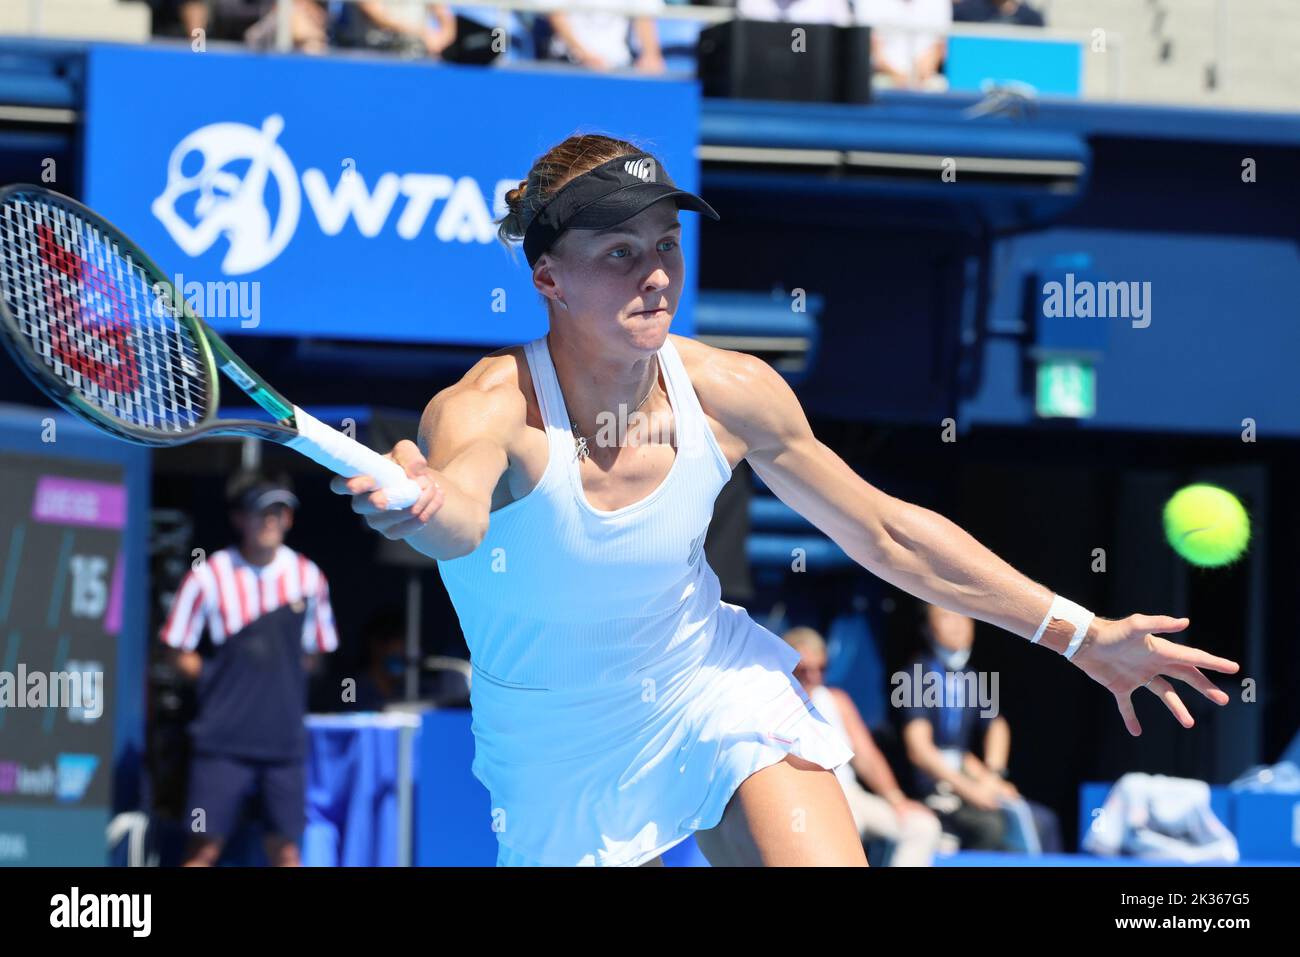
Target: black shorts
column 220, row 786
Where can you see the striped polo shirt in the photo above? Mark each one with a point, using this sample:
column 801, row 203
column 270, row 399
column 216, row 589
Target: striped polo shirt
column 261, row 620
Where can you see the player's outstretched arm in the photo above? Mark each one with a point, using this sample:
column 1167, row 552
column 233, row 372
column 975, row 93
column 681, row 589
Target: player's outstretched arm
column 461, row 456
column 929, row 556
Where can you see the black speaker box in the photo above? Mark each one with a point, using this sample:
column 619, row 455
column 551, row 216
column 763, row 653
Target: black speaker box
column 855, row 64
column 473, row 43
column 763, row 60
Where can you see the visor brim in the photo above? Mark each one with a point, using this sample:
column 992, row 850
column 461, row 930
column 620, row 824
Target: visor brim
column 622, row 205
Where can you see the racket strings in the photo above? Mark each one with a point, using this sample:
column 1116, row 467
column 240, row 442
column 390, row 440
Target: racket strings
column 96, row 319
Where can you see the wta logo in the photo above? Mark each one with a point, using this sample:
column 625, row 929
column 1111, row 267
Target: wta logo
column 642, row 169
column 222, row 203
column 237, row 182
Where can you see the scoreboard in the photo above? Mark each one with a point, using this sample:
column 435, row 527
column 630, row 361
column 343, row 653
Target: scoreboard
column 63, row 604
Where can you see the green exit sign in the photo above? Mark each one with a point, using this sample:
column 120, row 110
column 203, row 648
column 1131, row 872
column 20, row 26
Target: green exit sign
column 1067, row 389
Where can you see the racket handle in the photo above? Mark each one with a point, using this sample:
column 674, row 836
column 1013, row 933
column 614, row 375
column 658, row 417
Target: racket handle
column 347, row 457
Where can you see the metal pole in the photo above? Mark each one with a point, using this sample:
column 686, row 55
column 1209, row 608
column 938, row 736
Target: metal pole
column 412, row 635
column 283, row 30
column 250, row 453
column 404, row 786
column 1115, row 66
column 1221, row 17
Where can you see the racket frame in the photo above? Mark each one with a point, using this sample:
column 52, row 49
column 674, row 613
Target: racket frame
column 291, row 427
column 212, row 350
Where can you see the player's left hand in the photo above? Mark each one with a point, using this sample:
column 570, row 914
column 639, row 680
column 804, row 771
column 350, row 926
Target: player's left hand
column 1124, row 656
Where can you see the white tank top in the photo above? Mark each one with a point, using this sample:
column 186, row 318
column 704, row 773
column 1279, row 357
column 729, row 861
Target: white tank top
column 563, row 596
column 825, row 703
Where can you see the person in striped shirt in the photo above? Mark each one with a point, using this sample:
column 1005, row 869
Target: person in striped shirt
column 267, row 614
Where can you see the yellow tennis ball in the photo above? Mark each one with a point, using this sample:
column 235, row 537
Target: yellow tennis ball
column 1207, row 525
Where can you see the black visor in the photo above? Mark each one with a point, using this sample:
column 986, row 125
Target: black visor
column 610, row 194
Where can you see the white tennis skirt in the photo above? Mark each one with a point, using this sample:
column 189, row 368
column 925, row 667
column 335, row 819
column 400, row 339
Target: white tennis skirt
column 615, row 776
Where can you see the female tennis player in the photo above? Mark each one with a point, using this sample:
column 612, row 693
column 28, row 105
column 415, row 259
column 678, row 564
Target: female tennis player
column 567, row 483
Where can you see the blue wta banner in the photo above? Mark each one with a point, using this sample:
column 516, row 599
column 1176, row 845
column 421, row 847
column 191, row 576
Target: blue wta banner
column 333, row 197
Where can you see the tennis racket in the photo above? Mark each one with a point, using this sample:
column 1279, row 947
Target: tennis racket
column 104, row 333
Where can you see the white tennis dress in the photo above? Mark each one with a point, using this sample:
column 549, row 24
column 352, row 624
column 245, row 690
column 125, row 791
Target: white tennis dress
column 617, row 701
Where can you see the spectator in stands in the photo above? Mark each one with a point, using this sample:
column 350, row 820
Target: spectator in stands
column 381, row 683
column 253, row 21
column 308, row 27
column 267, row 613
column 220, row 19
column 602, row 41
column 411, row 28
column 996, row 11
column 887, row 813
column 796, row 11
column 908, row 49
column 969, row 793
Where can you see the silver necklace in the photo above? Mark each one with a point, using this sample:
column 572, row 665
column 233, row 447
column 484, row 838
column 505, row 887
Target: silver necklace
column 582, row 449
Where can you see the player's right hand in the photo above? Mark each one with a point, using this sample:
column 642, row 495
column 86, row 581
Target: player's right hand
column 368, row 499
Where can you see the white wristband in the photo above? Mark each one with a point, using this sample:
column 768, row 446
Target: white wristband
column 1076, row 615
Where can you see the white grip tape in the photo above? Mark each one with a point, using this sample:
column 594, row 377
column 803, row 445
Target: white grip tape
column 347, row 457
